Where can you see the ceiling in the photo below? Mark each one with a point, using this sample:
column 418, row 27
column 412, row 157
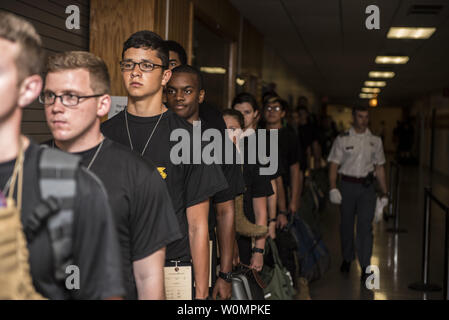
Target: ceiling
column 328, row 45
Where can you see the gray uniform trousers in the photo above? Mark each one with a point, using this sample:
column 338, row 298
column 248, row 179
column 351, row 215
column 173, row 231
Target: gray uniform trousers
column 361, row 200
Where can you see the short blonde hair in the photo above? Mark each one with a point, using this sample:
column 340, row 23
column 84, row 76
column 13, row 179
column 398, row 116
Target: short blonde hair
column 98, row 72
column 29, row 61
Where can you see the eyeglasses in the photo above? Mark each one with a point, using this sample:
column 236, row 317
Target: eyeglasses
column 144, row 66
column 269, row 108
column 69, row 100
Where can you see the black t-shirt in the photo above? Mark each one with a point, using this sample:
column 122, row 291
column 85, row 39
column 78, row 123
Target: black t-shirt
column 188, row 184
column 289, row 152
column 212, row 118
column 138, row 196
column 256, row 186
column 307, row 133
column 95, row 243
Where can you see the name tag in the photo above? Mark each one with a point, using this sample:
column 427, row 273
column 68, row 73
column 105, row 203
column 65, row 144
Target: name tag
column 178, row 282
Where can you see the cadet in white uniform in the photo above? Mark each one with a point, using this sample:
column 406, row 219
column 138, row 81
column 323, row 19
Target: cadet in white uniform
column 359, row 158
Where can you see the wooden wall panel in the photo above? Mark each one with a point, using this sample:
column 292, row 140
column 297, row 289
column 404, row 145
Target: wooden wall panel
column 112, row 22
column 179, row 22
column 48, row 17
column 252, row 50
column 219, row 15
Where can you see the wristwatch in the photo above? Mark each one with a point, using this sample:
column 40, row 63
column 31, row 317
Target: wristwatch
column 226, row 276
column 258, row 250
column 272, row 220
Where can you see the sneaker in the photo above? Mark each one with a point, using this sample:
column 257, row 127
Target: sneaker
column 345, row 266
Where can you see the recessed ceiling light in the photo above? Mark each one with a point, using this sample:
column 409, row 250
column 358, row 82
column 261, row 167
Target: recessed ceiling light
column 410, row 33
column 370, row 90
column 375, row 83
column 392, row 59
column 367, row 95
column 213, row 70
column 381, row 74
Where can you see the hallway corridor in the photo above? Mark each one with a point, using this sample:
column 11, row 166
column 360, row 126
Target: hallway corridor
column 397, row 255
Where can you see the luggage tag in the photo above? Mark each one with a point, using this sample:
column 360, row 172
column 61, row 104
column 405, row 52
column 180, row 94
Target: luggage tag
column 178, row 282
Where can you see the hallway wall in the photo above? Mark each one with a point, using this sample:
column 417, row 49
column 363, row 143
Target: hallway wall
column 422, row 109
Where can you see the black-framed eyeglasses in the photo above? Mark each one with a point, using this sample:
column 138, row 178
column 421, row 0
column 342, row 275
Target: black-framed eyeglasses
column 144, row 66
column 69, row 100
column 270, row 108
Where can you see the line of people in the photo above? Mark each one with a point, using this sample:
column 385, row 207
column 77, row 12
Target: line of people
column 130, row 219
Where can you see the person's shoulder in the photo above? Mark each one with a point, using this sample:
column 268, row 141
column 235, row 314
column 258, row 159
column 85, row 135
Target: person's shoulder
column 177, row 122
column 113, row 121
column 212, row 116
column 344, row 134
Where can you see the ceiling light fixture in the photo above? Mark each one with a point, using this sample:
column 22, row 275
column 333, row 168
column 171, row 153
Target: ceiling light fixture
column 381, row 74
column 213, row 70
column 370, row 90
column 375, row 83
column 367, row 95
column 410, row 33
column 392, row 59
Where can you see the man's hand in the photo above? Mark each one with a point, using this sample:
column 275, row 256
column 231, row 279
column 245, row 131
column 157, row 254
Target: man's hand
column 384, row 201
column 335, row 196
column 281, row 221
column 222, row 289
column 257, row 261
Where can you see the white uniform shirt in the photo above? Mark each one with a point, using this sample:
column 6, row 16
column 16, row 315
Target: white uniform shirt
column 357, row 153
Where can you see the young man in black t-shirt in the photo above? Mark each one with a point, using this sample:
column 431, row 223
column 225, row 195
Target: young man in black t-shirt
column 94, row 239
column 148, row 127
column 289, row 153
column 184, row 95
column 145, row 219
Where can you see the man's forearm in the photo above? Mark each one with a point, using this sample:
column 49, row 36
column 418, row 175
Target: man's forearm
column 333, row 167
column 149, row 276
column 295, row 183
column 272, row 200
column 380, row 175
column 197, row 217
column 282, row 206
column 226, row 234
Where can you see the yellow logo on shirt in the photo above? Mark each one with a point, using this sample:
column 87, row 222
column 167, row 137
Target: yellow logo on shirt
column 162, row 172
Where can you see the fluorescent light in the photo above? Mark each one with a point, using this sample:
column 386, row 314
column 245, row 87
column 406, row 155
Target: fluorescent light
column 375, row 83
column 410, row 33
column 381, row 74
column 367, row 95
column 213, row 70
column 392, row 59
column 240, row 82
column 370, row 90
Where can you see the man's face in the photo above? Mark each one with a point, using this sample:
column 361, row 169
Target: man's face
column 273, row 113
column 235, row 131
column 174, row 60
column 9, row 77
column 69, row 124
column 361, row 120
column 139, row 84
column 249, row 115
column 184, row 95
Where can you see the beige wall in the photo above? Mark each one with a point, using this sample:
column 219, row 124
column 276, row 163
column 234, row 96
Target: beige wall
column 274, row 69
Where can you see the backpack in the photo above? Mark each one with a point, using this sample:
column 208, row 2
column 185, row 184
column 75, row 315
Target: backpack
column 58, row 185
column 314, row 258
column 279, row 283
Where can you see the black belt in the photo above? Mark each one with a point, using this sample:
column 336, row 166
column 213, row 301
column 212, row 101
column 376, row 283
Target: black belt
column 365, row 180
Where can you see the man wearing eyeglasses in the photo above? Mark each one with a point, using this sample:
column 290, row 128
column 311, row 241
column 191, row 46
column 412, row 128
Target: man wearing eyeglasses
column 76, row 97
column 292, row 176
column 146, row 126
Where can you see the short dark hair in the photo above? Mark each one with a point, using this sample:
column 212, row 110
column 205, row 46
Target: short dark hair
column 269, row 95
column 359, row 108
column 185, row 68
column 29, row 60
column 148, row 40
column 245, row 97
column 301, row 108
column 236, row 114
column 176, row 47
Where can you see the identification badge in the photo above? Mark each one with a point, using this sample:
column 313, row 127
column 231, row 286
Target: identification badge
column 178, row 282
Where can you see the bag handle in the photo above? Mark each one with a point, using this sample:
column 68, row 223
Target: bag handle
column 256, row 275
column 274, row 252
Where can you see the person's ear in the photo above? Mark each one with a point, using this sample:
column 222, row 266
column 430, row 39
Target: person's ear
column 104, row 105
column 201, row 96
column 166, row 76
column 282, row 114
column 29, row 90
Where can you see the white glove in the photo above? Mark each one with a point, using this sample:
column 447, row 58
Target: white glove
column 335, row 196
column 380, row 205
column 384, row 201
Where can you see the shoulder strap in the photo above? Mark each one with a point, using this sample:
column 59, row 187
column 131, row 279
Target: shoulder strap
column 57, row 184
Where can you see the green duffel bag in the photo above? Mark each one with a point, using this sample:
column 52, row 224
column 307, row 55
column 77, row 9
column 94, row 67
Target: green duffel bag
column 279, row 284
